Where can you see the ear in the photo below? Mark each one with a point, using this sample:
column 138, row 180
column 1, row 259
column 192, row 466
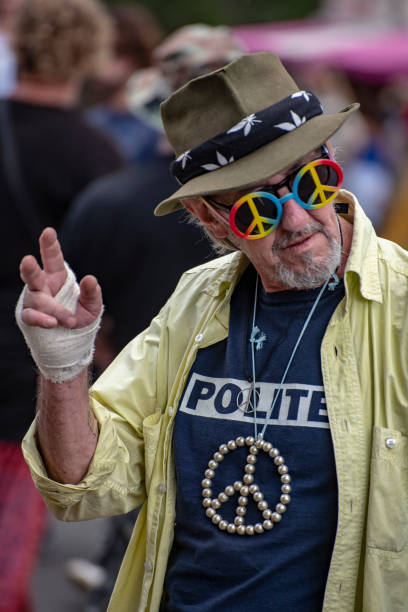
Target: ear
column 202, row 211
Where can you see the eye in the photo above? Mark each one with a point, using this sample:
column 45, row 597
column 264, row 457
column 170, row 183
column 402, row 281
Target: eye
column 244, row 218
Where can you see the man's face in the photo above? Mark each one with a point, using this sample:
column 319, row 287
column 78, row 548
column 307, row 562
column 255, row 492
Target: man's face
column 301, row 252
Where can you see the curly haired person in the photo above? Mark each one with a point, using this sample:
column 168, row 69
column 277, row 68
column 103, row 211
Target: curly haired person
column 56, row 45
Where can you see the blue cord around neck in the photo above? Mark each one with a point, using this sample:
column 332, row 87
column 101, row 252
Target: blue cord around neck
column 257, row 338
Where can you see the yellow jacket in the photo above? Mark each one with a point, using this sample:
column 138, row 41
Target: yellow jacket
column 365, row 370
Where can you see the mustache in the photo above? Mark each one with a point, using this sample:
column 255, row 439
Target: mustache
column 289, row 237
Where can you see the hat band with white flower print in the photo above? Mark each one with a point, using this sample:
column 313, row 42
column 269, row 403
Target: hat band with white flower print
column 249, row 134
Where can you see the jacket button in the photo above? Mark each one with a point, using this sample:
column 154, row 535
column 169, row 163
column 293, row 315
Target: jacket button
column 162, row 488
column 170, row 410
column 390, row 442
column 148, row 566
column 199, row 337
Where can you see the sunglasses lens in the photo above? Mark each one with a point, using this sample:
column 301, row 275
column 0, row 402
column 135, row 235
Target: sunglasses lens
column 317, row 183
column 255, row 215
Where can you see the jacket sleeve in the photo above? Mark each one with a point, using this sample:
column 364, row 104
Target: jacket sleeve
column 125, row 401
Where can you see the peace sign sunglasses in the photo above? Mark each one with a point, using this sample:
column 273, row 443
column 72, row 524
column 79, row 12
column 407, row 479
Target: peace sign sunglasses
column 258, row 213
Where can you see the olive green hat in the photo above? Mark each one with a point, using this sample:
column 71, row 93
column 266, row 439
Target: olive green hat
column 240, row 125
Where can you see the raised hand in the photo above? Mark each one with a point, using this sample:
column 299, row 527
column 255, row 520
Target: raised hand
column 40, row 307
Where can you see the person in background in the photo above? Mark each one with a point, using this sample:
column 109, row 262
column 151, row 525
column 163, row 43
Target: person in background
column 191, row 50
column 120, row 205
column 136, row 34
column 48, row 155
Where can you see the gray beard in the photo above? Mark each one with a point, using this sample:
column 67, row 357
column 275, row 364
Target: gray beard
column 312, row 273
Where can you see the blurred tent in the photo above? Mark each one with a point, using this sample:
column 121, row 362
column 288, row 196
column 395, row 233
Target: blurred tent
column 350, row 59
column 371, row 51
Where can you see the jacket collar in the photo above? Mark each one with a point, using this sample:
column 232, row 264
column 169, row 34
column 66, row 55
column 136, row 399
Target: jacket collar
column 362, row 263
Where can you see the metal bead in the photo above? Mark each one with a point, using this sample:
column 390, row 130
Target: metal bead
column 286, row 478
column 216, row 504
column 279, row 460
column 241, row 530
column 209, row 473
column 238, row 520
column 285, row 499
column 263, row 505
column 281, row 508
column 286, row 488
column 223, row 525
column 222, row 497
column 212, row 464
column 252, row 459
column 253, row 450
column 207, row 493
column 249, row 440
column 259, row 443
column 248, row 479
column 244, row 491
column 267, row 514
column 241, row 511
column 207, row 501
column 240, row 441
column 274, row 452
column 232, row 445
column 206, row 483
column 258, row 528
column 229, row 491
column 237, row 485
column 249, row 469
column 267, row 525
column 267, row 447
column 231, row 528
column 218, row 456
column 283, row 469
column 217, row 518
column 210, row 512
column 242, row 500
column 276, row 517
column 258, row 496
column 249, row 530
column 223, row 449
column 253, row 488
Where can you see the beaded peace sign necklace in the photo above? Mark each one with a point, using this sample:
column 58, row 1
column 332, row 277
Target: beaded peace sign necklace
column 256, row 444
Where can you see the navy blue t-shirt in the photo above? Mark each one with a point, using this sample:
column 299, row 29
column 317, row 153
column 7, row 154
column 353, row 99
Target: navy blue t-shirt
column 285, row 567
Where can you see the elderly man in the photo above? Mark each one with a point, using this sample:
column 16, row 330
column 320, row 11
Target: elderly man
column 259, row 421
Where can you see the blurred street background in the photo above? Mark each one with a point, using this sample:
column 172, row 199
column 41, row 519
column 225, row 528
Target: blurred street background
column 52, row 589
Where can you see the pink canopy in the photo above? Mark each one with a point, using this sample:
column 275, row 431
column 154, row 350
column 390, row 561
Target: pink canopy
column 371, row 51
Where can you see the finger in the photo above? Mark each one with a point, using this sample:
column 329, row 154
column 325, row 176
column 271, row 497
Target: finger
column 90, row 296
column 51, row 254
column 45, row 304
column 38, row 319
column 31, row 274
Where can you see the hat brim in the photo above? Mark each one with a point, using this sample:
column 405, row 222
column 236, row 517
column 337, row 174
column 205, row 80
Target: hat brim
column 257, row 166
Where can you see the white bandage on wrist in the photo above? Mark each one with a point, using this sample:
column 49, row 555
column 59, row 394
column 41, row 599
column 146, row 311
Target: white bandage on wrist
column 60, row 353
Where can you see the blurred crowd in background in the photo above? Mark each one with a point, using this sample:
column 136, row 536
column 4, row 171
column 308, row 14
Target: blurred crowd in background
column 82, row 149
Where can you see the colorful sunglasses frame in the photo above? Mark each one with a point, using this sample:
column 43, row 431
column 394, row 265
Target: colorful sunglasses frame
column 265, row 225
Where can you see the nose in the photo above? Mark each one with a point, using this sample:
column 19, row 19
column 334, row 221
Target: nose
column 294, row 216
